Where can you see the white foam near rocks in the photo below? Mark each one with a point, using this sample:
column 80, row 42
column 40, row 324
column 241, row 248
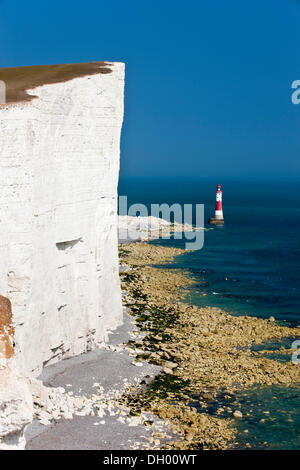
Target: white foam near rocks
column 142, row 228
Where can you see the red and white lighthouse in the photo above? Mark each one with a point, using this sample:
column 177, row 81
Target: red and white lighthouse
column 219, row 210
column 218, row 218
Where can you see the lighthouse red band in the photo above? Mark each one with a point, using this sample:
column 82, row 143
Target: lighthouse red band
column 219, row 210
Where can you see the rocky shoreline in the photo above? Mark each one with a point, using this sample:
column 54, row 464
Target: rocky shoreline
column 204, row 352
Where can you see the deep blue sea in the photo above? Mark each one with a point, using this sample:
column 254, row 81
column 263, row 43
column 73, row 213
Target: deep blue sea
column 251, row 266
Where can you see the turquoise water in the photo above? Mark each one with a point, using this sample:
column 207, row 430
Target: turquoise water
column 271, row 416
column 251, row 265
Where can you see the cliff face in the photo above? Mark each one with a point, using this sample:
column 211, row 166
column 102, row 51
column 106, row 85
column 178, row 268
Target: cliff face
column 59, row 163
column 59, row 158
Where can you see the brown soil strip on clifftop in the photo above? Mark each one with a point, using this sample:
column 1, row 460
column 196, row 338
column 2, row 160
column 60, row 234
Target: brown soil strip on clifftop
column 20, row 79
column 6, row 328
column 204, row 352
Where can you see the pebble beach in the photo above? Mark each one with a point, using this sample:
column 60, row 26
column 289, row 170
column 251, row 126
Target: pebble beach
column 204, row 353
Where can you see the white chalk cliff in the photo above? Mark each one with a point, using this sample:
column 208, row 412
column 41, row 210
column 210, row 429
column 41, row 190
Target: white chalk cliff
column 59, row 164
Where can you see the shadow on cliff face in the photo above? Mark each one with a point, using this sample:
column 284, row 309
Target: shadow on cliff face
column 20, row 79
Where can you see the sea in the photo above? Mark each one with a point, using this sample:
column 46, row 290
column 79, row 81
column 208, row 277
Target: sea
column 248, row 266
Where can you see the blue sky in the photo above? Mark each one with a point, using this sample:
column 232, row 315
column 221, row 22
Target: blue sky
column 208, row 84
